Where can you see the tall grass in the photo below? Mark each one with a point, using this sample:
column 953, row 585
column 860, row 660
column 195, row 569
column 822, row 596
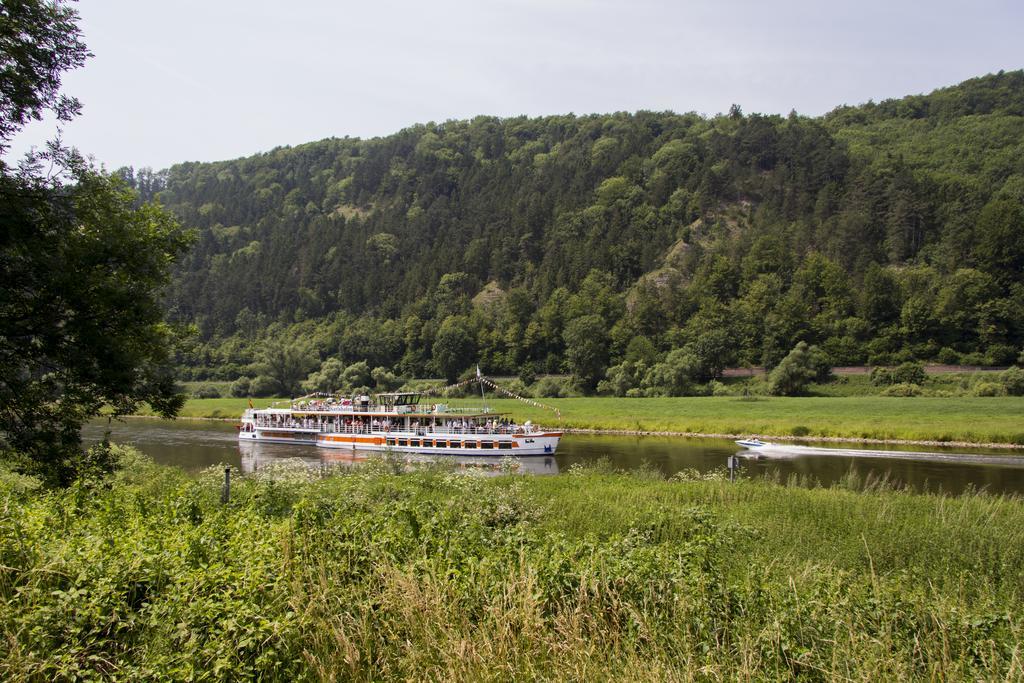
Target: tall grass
column 380, row 573
column 972, row 419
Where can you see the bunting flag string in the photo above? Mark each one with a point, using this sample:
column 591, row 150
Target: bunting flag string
column 500, row 389
column 478, row 379
column 530, row 401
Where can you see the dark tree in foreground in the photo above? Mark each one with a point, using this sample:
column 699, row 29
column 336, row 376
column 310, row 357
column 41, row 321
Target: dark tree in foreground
column 81, row 323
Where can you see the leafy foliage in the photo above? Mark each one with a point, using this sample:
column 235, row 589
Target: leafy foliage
column 81, row 321
column 376, row 573
column 882, row 233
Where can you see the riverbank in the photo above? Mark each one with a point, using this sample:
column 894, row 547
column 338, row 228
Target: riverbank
column 379, row 573
column 966, row 422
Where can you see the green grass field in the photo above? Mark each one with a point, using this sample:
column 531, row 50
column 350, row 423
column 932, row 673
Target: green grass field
column 378, row 573
column 967, row 419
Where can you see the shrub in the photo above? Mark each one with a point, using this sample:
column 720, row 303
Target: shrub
column 903, row 389
column 1000, row 354
column 527, row 374
column 385, row 380
column 948, row 356
column 516, row 386
column 795, row 372
column 262, row 386
column 622, row 378
column 989, row 389
column 881, row 377
column 240, row 387
column 206, row 391
column 549, row 387
column 675, row 376
column 909, row 373
column 716, row 388
column 1013, row 381
column 821, row 364
column 975, row 358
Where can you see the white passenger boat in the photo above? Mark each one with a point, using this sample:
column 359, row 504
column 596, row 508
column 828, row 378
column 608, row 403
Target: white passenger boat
column 394, row 422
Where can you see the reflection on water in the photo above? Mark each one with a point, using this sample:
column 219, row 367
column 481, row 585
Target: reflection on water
column 255, row 456
column 194, row 445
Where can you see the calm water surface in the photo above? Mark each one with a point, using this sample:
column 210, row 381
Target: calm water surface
column 194, row 445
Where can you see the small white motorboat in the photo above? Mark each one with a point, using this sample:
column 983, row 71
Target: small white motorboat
column 752, row 443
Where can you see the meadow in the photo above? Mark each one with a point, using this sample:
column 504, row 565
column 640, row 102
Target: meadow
column 947, row 419
column 378, row 573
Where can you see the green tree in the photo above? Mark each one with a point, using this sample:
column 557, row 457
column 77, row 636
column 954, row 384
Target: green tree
column 1000, row 239
column 453, row 348
column 791, row 376
column 355, row 376
column 385, row 380
column 81, row 325
column 83, row 267
column 586, row 349
column 40, row 41
column 286, row 364
column 675, row 376
column 327, row 378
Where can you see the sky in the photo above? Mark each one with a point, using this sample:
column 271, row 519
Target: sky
column 206, row 80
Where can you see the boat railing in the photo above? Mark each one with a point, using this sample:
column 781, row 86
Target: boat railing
column 421, row 430
column 377, row 409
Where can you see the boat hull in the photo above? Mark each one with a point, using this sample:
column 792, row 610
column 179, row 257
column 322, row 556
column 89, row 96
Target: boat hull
column 477, row 445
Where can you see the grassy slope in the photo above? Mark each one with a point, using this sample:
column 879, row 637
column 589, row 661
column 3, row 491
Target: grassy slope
column 969, row 419
column 374, row 575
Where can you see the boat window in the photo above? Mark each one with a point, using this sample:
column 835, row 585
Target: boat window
column 486, row 444
column 391, row 442
column 454, row 444
column 414, row 442
column 504, row 445
column 403, row 442
column 441, row 444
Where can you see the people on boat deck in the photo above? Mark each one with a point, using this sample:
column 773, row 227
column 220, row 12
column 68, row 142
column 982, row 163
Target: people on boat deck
column 348, row 424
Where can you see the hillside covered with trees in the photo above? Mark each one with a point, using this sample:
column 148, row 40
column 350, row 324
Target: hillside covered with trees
column 640, row 252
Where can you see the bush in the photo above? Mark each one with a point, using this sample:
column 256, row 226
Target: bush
column 675, row 376
column 903, row 389
column 622, row 378
column 549, row 387
column 1000, row 354
column 527, row 374
column 206, row 391
column 909, row 373
column 1013, row 381
column 716, row 388
column 948, row 356
column 385, row 380
column 262, row 386
column 881, row 377
column 240, row 387
column 795, row 372
column 975, row 359
column 989, row 389
column 517, row 387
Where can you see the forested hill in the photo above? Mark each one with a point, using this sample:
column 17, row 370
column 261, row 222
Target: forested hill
column 880, row 233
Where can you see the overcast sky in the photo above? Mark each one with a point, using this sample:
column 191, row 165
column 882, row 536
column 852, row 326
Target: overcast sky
column 203, row 80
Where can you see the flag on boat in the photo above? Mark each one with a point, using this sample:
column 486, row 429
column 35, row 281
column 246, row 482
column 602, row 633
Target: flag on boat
column 478, row 375
column 250, row 404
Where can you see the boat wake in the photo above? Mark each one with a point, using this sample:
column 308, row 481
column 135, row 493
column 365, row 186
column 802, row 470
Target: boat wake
column 786, row 451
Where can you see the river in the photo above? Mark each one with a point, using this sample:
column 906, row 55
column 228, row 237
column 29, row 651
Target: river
column 195, row 444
